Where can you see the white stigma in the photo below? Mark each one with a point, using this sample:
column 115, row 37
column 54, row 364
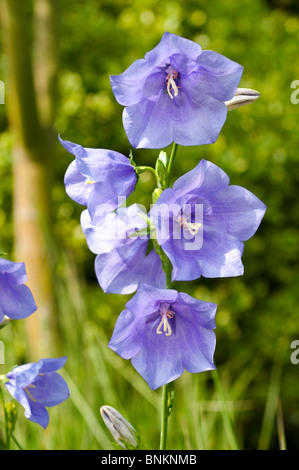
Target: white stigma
column 191, row 227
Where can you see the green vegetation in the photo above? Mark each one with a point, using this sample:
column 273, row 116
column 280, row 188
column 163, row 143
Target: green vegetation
column 257, row 316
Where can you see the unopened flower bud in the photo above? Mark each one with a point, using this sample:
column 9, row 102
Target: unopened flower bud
column 242, row 97
column 5, row 322
column 156, row 194
column 122, row 431
column 161, row 168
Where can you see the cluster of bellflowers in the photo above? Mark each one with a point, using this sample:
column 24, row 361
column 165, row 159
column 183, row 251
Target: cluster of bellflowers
column 37, row 385
column 178, row 94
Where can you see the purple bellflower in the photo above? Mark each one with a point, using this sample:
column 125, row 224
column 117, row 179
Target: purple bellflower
column 177, row 93
column 202, row 222
column 164, row 332
column 37, row 386
column 122, row 262
column 99, row 179
column 16, row 299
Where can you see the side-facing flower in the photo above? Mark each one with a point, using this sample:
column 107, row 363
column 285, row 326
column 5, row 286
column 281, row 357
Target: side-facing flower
column 122, row 261
column 202, row 222
column 99, row 179
column 16, row 299
column 37, row 386
column 177, row 93
column 164, row 332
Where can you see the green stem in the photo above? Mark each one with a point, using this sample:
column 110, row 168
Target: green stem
column 164, row 418
column 171, row 162
column 168, row 271
column 142, row 169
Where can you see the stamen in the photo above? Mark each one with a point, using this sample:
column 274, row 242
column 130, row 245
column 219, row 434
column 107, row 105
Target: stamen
column 28, row 393
column 171, row 84
column 165, row 313
column 89, row 181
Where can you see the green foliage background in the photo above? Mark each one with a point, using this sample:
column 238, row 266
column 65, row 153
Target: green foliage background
column 257, row 316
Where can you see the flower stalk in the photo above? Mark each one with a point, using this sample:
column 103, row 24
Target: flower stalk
column 168, row 271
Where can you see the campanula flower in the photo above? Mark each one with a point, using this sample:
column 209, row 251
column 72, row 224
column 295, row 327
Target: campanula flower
column 99, row 179
column 164, row 332
column 202, row 222
column 16, row 299
column 37, row 386
column 177, row 93
column 122, row 261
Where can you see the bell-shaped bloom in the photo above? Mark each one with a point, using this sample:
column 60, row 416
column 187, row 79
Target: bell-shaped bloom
column 202, row 222
column 177, row 93
column 16, row 299
column 99, row 179
column 164, row 332
column 37, row 386
column 123, row 261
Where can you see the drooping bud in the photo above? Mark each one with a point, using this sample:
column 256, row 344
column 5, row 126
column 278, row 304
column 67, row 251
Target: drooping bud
column 242, row 97
column 122, row 431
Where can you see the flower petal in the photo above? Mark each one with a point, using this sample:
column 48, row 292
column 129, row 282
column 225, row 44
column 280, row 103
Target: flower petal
column 169, row 45
column 237, row 211
column 219, row 77
column 148, row 298
column 148, row 124
column 126, row 339
column 49, row 389
column 75, row 185
column 51, row 365
column 16, row 301
column 38, row 414
column 128, row 86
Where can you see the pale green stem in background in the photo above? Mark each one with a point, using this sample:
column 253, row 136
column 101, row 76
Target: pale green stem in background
column 7, row 444
column 227, row 422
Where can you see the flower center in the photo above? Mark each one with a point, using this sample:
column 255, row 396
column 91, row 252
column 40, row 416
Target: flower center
column 191, row 227
column 164, row 323
column 171, row 85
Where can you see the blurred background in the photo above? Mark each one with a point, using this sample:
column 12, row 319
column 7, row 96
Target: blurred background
column 55, row 62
